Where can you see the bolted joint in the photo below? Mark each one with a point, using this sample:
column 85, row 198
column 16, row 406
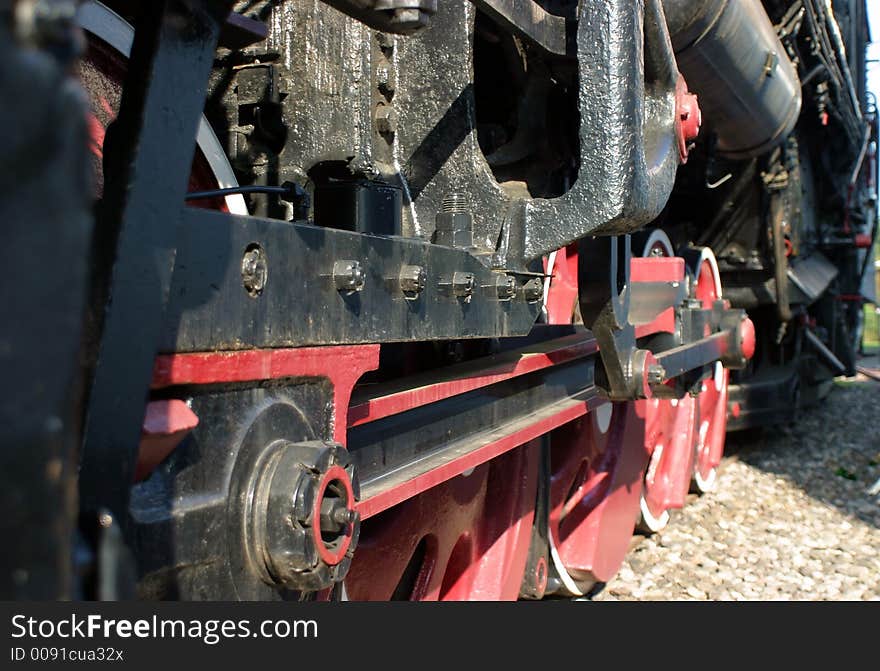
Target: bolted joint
column 386, row 120
column 454, row 225
column 349, row 276
column 643, row 374
column 505, row 287
column 688, row 118
column 303, row 526
column 408, row 16
column 656, row 374
column 385, row 81
column 413, row 280
column 254, row 270
column 533, row 290
column 463, row 285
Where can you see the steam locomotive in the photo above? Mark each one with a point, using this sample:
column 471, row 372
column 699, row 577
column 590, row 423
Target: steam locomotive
column 408, row 299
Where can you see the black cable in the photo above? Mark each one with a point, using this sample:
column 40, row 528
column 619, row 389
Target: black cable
column 236, row 190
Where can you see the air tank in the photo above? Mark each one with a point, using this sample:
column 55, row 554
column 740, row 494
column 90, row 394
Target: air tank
column 731, row 57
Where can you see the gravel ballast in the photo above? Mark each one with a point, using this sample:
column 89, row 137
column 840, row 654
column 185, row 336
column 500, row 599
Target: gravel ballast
column 793, row 517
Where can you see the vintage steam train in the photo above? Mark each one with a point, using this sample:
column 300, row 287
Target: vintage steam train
column 411, row 299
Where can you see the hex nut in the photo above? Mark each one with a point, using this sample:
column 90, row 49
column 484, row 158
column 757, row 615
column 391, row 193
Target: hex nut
column 254, row 270
column 386, row 119
column 463, row 285
column 413, row 279
column 348, row 276
column 505, row 287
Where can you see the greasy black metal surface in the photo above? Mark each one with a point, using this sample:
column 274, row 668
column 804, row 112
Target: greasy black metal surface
column 397, row 448
column 404, row 111
column 767, row 399
column 733, row 60
column 240, row 31
column 535, row 577
column 45, row 207
column 285, row 485
column 300, row 304
column 629, row 154
column 402, row 17
column 528, row 20
column 364, row 207
column 187, row 519
column 146, row 175
column 604, row 296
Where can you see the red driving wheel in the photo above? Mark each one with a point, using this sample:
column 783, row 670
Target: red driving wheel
column 596, row 468
column 712, row 399
column 466, row 539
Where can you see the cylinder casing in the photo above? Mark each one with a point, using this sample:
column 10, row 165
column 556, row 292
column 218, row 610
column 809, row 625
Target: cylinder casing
column 731, row 57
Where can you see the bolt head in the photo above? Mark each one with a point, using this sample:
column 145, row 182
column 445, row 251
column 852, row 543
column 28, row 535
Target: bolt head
column 413, row 279
column 463, row 284
column 386, row 119
column 385, row 80
column 385, row 40
column 505, row 286
column 656, row 374
column 349, row 276
column 534, row 290
column 254, row 270
column 409, row 19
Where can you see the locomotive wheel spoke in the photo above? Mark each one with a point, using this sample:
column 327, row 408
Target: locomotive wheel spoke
column 712, row 399
column 596, row 464
column 463, row 540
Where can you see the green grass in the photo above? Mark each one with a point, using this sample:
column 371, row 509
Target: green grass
column 871, row 336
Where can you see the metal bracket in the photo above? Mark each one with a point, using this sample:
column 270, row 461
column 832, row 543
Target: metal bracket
column 141, row 205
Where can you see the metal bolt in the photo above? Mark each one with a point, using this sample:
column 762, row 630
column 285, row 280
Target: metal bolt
column 254, row 270
column 656, row 374
column 335, row 515
column 454, row 225
column 385, row 40
column 454, row 203
column 463, row 285
column 505, row 287
column 409, row 19
column 385, row 80
column 386, row 119
column 534, row 290
column 413, row 279
column 348, row 276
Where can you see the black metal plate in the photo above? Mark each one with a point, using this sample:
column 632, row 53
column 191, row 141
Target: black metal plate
column 209, row 309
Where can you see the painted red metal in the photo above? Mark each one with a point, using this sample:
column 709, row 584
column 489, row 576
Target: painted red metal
column 712, row 400
column 863, row 241
column 747, row 337
column 656, row 269
column 462, row 378
column 465, row 539
column 595, row 488
column 688, row 118
column 712, row 424
column 670, row 440
column 166, row 424
column 343, row 366
column 334, row 475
